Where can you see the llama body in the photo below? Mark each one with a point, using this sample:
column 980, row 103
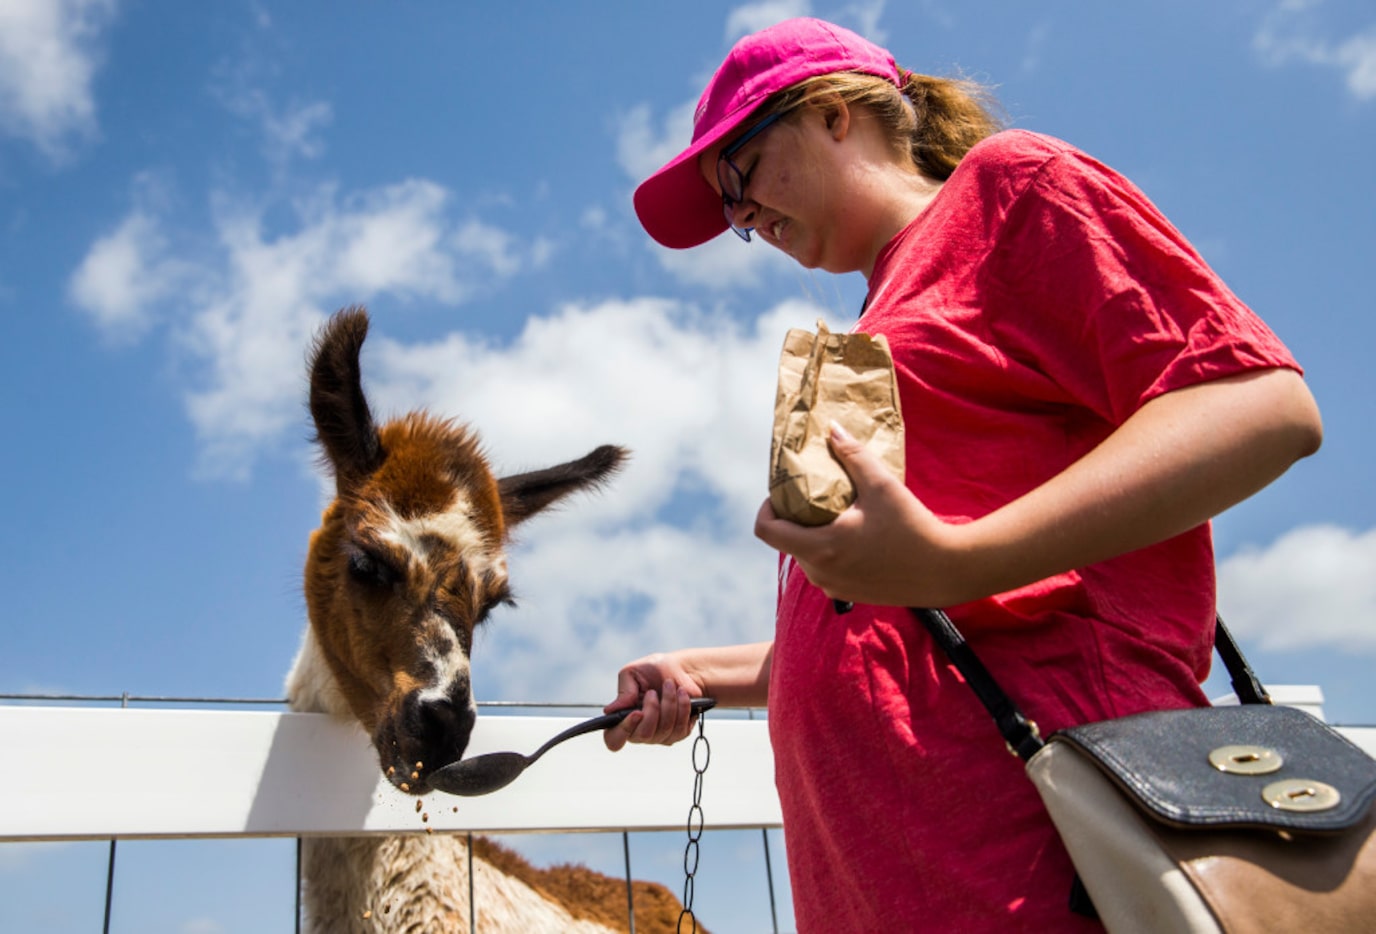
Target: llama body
column 408, row 560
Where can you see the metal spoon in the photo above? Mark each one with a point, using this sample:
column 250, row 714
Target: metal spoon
column 480, row 775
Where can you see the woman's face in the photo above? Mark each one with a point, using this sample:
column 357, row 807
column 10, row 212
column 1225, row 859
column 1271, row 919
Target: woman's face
column 795, row 193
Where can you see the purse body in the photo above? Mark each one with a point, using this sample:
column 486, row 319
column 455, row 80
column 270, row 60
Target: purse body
column 1236, row 819
column 1221, row 819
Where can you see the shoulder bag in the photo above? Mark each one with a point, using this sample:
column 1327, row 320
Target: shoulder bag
column 1245, row 818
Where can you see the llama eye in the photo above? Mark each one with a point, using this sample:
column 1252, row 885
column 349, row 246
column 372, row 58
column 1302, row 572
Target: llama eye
column 371, row 569
column 501, row 598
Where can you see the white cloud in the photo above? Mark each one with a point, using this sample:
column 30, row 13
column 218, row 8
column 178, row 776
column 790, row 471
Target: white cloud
column 495, row 247
column 642, row 147
column 274, row 292
column 863, row 16
column 398, row 239
column 48, row 57
column 752, row 17
column 244, row 311
column 241, row 314
column 1288, row 35
column 123, row 274
column 594, row 218
column 691, row 393
column 666, row 555
column 1314, row 587
column 725, row 262
column 293, row 131
column 588, row 604
column 288, row 131
column 860, row 15
column 242, row 304
column 1357, row 56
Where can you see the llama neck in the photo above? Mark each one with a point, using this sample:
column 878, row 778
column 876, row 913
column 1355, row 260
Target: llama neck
column 311, row 687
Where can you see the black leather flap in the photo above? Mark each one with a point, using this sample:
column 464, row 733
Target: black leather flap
column 1161, row 760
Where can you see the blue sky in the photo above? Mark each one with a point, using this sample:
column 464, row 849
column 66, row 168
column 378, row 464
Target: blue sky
column 187, row 190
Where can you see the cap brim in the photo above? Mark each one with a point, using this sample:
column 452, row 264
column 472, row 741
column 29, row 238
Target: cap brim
column 675, row 205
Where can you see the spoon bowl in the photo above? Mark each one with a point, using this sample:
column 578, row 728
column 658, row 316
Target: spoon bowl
column 481, row 775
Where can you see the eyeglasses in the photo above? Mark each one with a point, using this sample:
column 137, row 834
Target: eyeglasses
column 733, row 181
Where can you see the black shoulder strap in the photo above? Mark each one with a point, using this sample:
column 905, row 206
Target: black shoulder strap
column 1020, row 733
column 1246, row 685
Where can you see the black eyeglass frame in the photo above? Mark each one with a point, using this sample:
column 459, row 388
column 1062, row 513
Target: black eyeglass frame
column 733, row 184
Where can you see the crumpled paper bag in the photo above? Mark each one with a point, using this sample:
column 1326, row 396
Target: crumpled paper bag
column 824, row 378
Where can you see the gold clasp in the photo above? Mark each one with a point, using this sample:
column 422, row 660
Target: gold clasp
column 1245, row 760
column 1301, row 794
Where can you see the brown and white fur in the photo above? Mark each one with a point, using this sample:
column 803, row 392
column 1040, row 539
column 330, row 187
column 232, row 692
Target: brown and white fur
column 407, row 562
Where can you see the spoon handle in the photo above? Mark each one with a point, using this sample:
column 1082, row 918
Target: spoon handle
column 608, row 720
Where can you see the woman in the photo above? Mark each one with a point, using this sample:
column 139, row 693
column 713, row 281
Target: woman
column 1082, row 395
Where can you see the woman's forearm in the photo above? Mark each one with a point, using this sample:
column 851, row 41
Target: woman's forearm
column 736, row 675
column 657, row 690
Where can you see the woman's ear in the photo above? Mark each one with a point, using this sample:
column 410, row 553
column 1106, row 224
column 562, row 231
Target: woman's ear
column 835, row 115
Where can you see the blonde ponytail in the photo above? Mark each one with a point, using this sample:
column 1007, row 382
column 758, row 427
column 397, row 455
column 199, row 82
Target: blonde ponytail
column 952, row 115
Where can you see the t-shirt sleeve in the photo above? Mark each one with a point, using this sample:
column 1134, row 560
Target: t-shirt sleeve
column 1108, row 299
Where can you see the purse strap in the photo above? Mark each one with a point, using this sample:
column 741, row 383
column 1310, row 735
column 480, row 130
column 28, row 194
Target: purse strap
column 1020, row 733
column 1246, row 685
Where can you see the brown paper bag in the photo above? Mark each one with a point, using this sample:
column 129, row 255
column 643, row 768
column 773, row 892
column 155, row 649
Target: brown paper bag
column 825, row 378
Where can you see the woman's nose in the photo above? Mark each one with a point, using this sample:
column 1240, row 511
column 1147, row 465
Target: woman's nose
column 743, row 214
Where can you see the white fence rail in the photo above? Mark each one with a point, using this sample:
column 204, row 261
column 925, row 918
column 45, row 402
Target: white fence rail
column 136, row 774
column 81, row 773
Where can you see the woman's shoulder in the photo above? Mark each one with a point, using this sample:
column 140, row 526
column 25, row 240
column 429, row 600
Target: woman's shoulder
column 1010, row 164
column 1000, row 169
column 1013, row 148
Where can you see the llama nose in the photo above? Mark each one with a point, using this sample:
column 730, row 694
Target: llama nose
column 444, row 728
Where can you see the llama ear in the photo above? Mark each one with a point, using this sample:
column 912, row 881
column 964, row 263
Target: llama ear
column 344, row 426
column 526, row 494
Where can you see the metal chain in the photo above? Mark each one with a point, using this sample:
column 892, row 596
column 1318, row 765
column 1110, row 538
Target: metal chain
column 695, row 822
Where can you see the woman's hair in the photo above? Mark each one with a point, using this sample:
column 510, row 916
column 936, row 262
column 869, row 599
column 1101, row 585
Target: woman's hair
column 935, row 120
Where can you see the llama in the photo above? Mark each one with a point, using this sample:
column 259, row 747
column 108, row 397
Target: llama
column 407, row 562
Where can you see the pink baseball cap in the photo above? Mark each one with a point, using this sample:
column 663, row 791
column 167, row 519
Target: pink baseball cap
column 676, row 205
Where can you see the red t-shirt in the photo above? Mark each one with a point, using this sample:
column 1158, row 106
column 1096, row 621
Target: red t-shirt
column 1035, row 305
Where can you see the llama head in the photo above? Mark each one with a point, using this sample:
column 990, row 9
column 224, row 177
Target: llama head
column 409, row 558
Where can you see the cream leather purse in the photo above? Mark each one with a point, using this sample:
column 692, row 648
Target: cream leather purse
column 1216, row 819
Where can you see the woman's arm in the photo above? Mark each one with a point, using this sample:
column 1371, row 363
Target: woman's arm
column 1178, row 461
column 664, row 684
